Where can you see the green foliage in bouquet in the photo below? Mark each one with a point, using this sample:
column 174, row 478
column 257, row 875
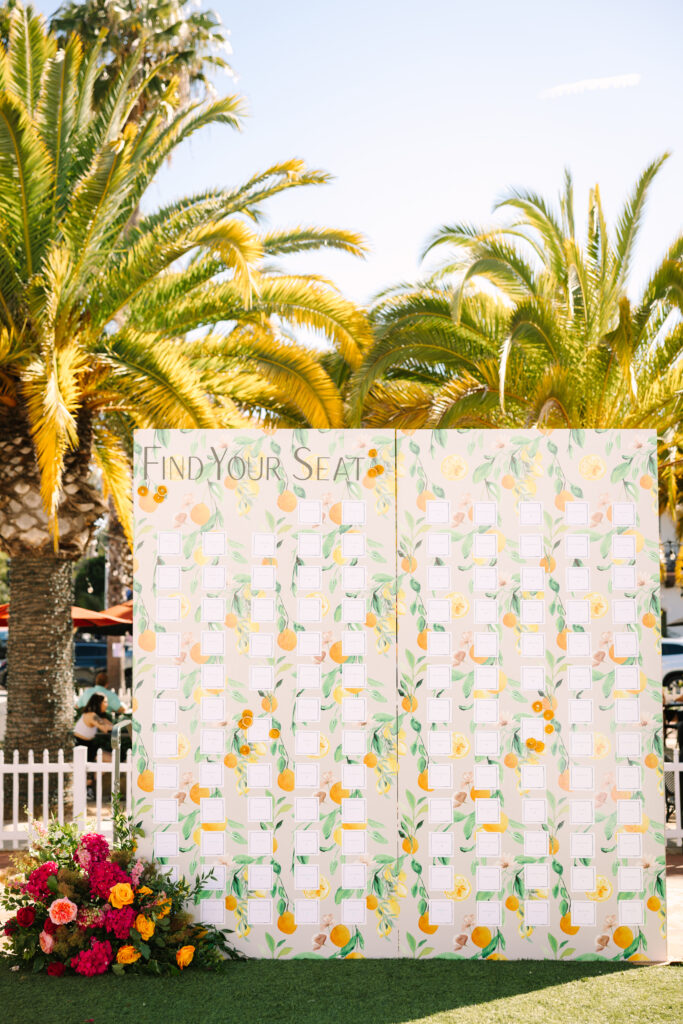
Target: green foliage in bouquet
column 80, row 906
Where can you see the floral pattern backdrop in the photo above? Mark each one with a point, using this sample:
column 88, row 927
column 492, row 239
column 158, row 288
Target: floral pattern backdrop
column 400, row 692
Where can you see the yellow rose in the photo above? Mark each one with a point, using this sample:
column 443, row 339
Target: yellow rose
column 184, row 956
column 121, row 895
column 127, row 955
column 144, row 891
column 144, row 926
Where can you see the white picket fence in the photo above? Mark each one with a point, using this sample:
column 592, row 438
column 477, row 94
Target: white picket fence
column 673, row 786
column 15, row 819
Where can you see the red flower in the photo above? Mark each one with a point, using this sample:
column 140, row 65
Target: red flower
column 49, row 926
column 25, row 916
column 55, row 969
column 11, row 926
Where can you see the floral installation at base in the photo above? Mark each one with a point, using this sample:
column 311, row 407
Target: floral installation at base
column 80, row 906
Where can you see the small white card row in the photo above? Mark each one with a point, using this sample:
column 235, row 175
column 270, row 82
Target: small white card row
column 306, row 843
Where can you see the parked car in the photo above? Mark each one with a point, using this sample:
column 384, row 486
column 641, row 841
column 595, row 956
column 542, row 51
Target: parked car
column 90, row 657
column 672, row 661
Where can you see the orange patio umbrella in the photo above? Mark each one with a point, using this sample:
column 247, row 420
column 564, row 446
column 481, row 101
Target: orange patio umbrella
column 121, row 612
column 82, row 618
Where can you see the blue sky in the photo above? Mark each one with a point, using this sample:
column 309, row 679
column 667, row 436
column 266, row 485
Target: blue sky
column 425, row 112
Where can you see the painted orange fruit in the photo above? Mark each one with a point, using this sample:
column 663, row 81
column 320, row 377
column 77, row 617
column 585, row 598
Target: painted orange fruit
column 566, row 925
column 424, row 925
column 336, row 653
column 340, row 935
column 286, row 922
column 481, row 936
column 147, row 640
column 200, row 514
column 287, row 640
column 287, row 501
column 146, row 780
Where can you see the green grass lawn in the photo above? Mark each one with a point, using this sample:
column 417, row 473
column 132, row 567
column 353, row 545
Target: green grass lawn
column 362, row 992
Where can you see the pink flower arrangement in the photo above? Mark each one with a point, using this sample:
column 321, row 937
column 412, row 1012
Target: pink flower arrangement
column 85, row 909
column 63, row 911
column 95, row 960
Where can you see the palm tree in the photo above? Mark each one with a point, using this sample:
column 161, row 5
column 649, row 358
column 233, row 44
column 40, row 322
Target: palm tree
column 93, row 315
column 183, row 43
column 187, row 44
column 523, row 325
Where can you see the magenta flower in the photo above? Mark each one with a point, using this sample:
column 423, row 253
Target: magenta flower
column 93, row 961
column 37, row 881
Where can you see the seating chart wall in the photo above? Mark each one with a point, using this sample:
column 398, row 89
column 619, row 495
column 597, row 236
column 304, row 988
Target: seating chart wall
column 401, row 692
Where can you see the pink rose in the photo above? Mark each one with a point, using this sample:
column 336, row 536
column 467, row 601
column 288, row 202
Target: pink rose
column 63, row 911
column 47, row 943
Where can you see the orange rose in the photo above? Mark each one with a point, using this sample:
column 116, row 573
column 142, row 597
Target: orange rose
column 144, row 926
column 163, row 908
column 121, row 895
column 144, row 891
column 127, row 955
column 184, row 956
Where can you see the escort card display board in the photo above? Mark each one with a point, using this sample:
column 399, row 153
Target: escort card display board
column 400, row 693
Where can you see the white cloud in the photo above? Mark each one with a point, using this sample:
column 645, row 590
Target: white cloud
column 590, row 85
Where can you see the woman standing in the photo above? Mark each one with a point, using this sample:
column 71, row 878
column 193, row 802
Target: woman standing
column 91, row 730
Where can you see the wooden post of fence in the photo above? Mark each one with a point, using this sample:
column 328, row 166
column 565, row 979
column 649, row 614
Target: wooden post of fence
column 15, row 800
column 80, row 783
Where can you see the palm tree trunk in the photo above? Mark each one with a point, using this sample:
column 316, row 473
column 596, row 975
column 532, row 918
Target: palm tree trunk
column 119, row 581
column 40, row 695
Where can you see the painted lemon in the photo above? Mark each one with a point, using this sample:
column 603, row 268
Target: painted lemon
column 459, row 605
column 461, row 888
column 321, row 893
column 602, row 891
column 598, row 605
column 591, row 467
column 460, row 745
column 453, row 467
